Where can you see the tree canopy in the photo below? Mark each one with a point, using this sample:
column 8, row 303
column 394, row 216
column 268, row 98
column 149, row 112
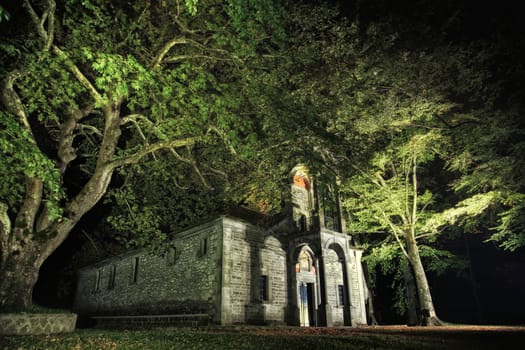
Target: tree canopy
column 89, row 87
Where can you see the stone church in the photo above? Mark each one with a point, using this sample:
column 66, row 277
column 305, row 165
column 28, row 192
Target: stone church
column 300, row 269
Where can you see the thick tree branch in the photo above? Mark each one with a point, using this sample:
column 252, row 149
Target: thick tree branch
column 193, row 164
column 161, row 56
column 134, row 158
column 414, row 195
column 406, row 179
column 50, row 24
column 166, row 48
column 12, row 102
column 179, row 58
column 96, row 186
column 132, row 118
column 25, row 219
column 66, row 152
column 91, row 129
column 48, row 16
column 393, row 228
column 5, row 231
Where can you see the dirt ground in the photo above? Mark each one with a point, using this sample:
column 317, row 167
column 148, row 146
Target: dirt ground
column 449, row 336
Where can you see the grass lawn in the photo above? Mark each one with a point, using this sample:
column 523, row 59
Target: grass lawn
column 260, row 338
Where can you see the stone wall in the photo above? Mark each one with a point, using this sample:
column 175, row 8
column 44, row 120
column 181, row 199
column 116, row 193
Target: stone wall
column 231, row 270
column 186, row 280
column 334, row 279
column 342, row 256
column 358, row 289
column 36, row 323
column 248, row 255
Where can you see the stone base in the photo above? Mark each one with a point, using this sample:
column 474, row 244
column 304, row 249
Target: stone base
column 36, row 323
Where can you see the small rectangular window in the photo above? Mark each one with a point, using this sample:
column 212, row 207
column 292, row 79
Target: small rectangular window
column 340, row 295
column 263, row 288
column 172, row 256
column 135, row 270
column 204, row 247
column 112, row 274
column 97, row 281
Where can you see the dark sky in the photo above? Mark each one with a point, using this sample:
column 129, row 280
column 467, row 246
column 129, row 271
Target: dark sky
column 459, row 19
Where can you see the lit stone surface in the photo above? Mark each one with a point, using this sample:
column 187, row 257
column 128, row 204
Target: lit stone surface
column 37, row 323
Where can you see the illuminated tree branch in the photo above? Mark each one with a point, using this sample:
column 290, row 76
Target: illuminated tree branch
column 134, row 158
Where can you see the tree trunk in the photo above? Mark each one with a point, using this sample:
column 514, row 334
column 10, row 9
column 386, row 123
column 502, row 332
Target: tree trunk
column 19, row 272
column 17, row 279
column 413, row 309
column 30, row 244
column 429, row 317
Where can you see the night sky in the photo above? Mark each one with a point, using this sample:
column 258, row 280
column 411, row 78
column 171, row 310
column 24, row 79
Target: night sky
column 493, row 291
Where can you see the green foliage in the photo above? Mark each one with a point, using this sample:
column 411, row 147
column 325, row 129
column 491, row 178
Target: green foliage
column 20, row 157
column 389, row 113
column 49, row 89
column 490, row 160
column 160, row 198
column 200, row 91
column 510, row 232
column 191, row 5
column 254, row 18
column 470, row 207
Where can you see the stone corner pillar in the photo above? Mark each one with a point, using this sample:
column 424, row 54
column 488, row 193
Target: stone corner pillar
column 325, row 315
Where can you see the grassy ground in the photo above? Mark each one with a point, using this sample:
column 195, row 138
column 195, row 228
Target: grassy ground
column 267, row 338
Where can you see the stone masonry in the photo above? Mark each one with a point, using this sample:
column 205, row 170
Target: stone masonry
column 299, row 268
column 23, row 323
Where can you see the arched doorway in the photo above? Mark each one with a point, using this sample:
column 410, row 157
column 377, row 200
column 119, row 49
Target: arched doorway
column 336, row 275
column 306, row 277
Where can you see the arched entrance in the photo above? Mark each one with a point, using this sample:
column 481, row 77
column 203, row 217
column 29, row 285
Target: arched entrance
column 338, row 293
column 306, row 278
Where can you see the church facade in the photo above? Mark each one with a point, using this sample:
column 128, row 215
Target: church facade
column 302, row 270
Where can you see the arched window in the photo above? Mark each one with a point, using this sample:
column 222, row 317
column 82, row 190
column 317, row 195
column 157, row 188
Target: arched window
column 301, row 181
column 305, row 263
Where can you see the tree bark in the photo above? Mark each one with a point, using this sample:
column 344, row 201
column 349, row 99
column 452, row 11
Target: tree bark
column 429, row 316
column 17, row 279
column 413, row 309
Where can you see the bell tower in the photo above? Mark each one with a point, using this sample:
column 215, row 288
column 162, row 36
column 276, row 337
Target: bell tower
column 314, row 205
column 302, row 198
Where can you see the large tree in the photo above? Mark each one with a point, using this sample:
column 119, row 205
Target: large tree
column 89, row 87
